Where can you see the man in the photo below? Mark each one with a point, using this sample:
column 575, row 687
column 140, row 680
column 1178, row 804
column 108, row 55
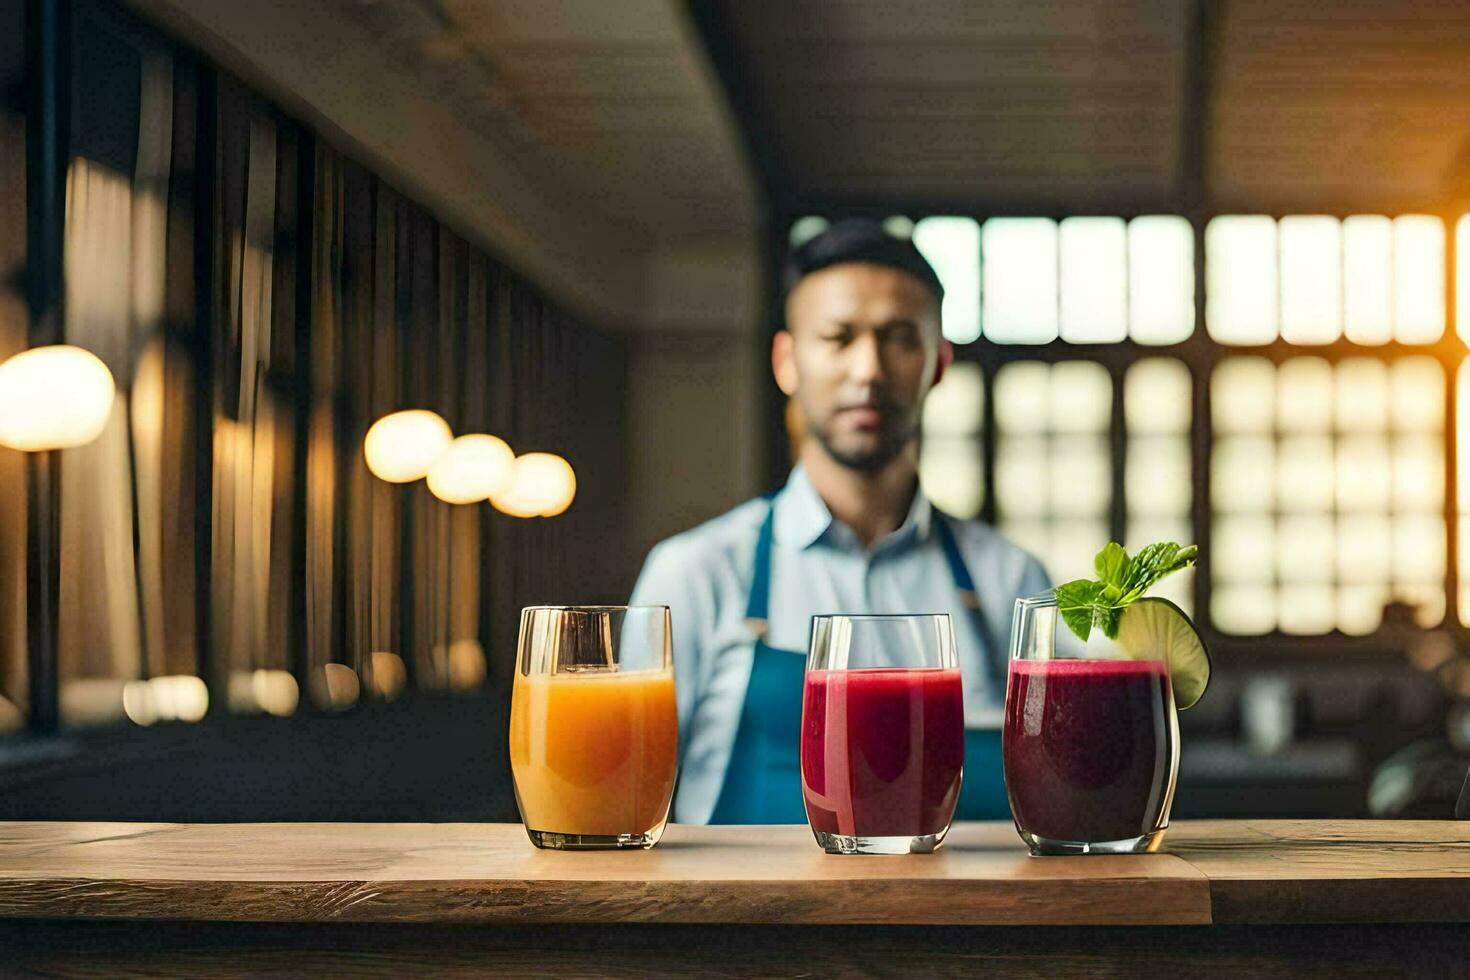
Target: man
column 851, row 532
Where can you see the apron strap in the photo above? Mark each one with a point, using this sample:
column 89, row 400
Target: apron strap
column 758, row 606
column 969, row 597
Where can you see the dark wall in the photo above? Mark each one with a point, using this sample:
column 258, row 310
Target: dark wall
column 261, row 299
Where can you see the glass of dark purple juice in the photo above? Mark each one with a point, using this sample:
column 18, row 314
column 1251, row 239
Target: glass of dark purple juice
column 1091, row 739
column 882, row 733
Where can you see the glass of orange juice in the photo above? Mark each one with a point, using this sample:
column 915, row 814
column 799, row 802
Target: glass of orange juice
column 594, row 730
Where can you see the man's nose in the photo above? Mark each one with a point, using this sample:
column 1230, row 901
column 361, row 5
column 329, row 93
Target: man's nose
column 865, row 360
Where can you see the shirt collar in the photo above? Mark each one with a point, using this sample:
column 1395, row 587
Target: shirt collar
column 802, row 518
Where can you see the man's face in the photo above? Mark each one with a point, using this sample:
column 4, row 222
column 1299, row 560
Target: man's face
column 861, row 350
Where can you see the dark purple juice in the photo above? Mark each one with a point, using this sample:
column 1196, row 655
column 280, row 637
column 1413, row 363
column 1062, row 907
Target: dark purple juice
column 881, row 750
column 1090, row 748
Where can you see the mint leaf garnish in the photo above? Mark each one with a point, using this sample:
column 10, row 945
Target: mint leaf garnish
column 1112, row 565
column 1076, row 601
column 1121, row 581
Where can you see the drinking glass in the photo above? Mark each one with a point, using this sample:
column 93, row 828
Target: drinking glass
column 593, row 725
column 1091, row 739
column 882, row 733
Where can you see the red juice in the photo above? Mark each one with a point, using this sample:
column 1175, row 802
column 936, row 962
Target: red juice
column 1090, row 748
column 881, row 750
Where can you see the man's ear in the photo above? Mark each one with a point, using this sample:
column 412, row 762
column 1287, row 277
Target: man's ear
column 783, row 362
column 946, row 358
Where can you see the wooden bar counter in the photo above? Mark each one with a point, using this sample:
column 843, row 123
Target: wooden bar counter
column 1267, row 897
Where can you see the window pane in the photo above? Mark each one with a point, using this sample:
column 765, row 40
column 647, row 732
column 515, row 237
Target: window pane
column 1304, row 399
column 1242, row 475
column 1246, row 610
column 1158, row 476
column 1364, row 548
column 1304, row 549
column 1418, row 473
column 1243, row 395
column 1418, row 548
column 1160, row 279
column 1240, row 279
column 1021, row 477
column 1081, row 475
column 1158, row 396
column 1360, row 608
column 952, row 474
column 1362, row 395
column 805, row 229
column 1073, row 543
column 1364, row 476
column 1306, row 609
column 956, row 406
column 1462, row 276
column 899, row 225
column 1367, row 260
column 1019, row 273
column 1081, row 397
column 1311, row 279
column 1417, row 388
column 1245, row 549
column 950, row 461
column 1304, row 479
column 1023, row 397
column 952, row 246
column 1418, row 278
column 1094, row 278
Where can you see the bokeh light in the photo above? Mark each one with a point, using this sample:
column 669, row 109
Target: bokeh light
column 542, row 485
column 54, row 398
column 474, row 467
column 403, row 446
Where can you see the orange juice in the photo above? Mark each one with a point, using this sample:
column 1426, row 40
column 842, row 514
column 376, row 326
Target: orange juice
column 594, row 752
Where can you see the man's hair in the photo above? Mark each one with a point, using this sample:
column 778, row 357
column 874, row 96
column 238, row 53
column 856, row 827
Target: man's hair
column 858, row 240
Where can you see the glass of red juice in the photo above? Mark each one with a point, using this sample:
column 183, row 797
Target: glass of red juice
column 882, row 733
column 1091, row 739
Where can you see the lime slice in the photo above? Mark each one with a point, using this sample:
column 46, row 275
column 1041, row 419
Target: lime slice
column 1155, row 628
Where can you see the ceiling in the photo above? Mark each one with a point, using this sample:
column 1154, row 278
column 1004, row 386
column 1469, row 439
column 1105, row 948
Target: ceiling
column 609, row 103
column 1107, row 105
column 587, row 143
column 617, row 151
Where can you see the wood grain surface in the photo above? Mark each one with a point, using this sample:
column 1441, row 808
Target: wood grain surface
column 1217, row 871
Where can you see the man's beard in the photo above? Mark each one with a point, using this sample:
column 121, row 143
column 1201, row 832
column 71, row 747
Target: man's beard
column 889, row 447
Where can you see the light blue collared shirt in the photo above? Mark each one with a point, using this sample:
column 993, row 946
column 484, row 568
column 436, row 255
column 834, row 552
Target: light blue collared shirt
column 818, row 566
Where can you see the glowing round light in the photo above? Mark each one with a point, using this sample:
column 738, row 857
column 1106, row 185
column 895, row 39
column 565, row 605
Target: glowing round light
column 474, row 467
column 54, row 398
column 334, row 687
column 402, row 447
column 542, row 485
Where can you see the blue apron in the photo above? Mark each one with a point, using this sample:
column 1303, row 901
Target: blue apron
column 763, row 780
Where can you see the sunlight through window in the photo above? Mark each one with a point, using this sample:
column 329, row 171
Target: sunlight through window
column 1160, row 279
column 1094, row 277
column 1019, row 276
column 1311, row 279
column 952, row 246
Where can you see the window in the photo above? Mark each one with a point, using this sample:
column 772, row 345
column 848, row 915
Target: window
column 951, row 462
column 1087, row 280
column 1053, row 470
column 1327, row 487
column 1158, row 406
column 1325, row 447
column 1311, row 279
